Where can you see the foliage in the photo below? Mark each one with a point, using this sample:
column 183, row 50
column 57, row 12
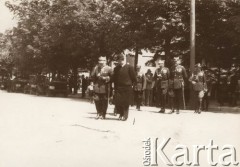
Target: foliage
column 59, row 35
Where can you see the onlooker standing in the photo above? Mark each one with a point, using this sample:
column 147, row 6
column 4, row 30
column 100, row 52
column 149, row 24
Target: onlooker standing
column 210, row 81
column 123, row 77
column 148, row 87
column 222, row 89
column 84, row 86
column 90, row 92
column 232, row 84
column 198, row 81
column 138, row 88
column 71, row 84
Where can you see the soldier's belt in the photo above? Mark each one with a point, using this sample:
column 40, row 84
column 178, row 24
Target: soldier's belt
column 177, row 83
column 164, row 84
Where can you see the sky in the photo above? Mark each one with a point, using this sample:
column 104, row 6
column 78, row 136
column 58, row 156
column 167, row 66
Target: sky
column 6, row 17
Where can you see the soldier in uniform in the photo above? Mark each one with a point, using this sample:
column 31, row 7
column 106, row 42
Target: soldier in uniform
column 211, row 80
column 101, row 77
column 222, row 91
column 138, row 88
column 178, row 76
column 198, row 81
column 123, row 78
column 161, row 78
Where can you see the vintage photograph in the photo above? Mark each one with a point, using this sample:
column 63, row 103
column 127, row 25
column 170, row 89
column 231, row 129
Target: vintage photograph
column 119, row 83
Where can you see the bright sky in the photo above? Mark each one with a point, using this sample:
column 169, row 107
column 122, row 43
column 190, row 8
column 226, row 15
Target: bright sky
column 6, row 18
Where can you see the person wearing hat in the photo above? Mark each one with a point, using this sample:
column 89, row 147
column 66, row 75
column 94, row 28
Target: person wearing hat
column 199, row 86
column 161, row 78
column 124, row 78
column 178, row 75
column 101, row 75
column 138, row 87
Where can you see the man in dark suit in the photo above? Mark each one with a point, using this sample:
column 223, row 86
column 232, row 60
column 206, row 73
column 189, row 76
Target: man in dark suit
column 123, row 78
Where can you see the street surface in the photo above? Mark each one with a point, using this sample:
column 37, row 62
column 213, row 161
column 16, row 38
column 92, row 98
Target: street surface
column 63, row 132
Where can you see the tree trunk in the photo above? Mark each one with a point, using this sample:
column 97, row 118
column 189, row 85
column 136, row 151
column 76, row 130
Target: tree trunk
column 167, row 52
column 136, row 57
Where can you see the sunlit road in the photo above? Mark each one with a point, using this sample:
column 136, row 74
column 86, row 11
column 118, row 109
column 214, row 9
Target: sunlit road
column 62, row 132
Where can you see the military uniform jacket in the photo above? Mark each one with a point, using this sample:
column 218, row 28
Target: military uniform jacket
column 200, row 81
column 101, row 77
column 161, row 77
column 178, row 75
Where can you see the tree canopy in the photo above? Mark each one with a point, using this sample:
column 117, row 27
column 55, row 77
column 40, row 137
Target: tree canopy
column 59, row 35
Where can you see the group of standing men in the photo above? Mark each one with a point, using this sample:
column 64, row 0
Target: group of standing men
column 166, row 83
column 123, row 80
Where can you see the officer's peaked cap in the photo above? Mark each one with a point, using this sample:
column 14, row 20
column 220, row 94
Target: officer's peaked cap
column 176, row 58
column 161, row 61
column 101, row 58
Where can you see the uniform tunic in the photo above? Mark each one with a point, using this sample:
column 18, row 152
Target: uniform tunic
column 161, row 78
column 199, row 86
column 101, row 77
column 177, row 76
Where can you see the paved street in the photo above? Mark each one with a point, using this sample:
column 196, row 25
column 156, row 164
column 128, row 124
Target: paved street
column 62, row 132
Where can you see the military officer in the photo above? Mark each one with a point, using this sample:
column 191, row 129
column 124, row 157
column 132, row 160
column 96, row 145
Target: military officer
column 198, row 81
column 161, row 77
column 211, row 80
column 101, row 76
column 178, row 76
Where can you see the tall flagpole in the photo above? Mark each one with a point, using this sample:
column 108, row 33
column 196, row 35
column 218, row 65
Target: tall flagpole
column 192, row 45
column 192, row 35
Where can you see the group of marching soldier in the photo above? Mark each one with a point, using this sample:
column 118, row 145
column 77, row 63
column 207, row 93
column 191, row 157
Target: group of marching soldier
column 124, row 82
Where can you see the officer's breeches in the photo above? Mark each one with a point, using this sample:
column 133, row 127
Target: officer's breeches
column 101, row 104
column 177, row 98
column 197, row 101
column 162, row 97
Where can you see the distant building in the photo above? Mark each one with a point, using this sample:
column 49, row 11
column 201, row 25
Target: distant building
column 144, row 57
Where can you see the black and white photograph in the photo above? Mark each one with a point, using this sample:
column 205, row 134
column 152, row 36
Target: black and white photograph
column 119, row 83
